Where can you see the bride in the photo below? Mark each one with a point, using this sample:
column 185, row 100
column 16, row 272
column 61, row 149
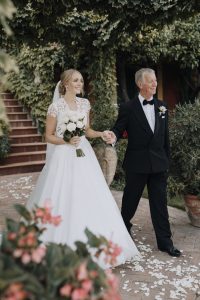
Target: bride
column 75, row 186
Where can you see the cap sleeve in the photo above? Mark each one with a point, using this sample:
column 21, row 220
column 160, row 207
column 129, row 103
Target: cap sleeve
column 87, row 105
column 52, row 110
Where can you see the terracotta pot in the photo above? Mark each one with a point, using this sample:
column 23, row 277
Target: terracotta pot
column 192, row 206
column 107, row 158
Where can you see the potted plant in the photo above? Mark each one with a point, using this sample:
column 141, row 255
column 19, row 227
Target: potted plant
column 30, row 270
column 185, row 157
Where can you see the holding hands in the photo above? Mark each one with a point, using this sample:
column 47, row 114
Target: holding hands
column 109, row 137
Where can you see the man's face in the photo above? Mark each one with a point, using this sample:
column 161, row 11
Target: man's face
column 148, row 85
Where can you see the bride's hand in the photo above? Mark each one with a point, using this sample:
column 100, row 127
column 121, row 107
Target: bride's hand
column 75, row 140
column 104, row 135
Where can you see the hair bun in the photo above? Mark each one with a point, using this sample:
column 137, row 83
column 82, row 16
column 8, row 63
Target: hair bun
column 62, row 89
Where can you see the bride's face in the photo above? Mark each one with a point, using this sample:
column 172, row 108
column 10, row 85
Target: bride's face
column 75, row 84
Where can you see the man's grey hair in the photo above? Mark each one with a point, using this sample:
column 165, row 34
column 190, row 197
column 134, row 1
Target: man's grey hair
column 139, row 75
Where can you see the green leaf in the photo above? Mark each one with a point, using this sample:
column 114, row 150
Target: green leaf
column 93, row 240
column 23, row 211
column 81, row 249
column 12, row 225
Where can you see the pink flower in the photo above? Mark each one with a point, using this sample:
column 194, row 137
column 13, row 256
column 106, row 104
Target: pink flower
column 82, row 272
column 39, row 213
column 38, row 254
column 31, row 239
column 15, row 292
column 22, row 242
column 112, row 291
column 79, row 294
column 93, row 274
column 26, row 258
column 87, row 285
column 12, row 236
column 47, row 204
column 66, row 290
column 22, row 229
column 17, row 253
column 112, row 252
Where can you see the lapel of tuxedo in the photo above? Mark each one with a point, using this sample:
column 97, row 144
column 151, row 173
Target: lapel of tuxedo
column 156, row 105
column 140, row 115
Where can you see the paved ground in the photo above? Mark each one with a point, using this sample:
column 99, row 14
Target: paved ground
column 156, row 276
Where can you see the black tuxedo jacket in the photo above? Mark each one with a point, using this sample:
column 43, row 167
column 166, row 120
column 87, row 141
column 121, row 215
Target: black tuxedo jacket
column 147, row 152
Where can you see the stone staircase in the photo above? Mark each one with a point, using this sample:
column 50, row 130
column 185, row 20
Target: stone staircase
column 28, row 151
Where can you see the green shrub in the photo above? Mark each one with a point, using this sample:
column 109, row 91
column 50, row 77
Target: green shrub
column 185, row 150
column 4, row 132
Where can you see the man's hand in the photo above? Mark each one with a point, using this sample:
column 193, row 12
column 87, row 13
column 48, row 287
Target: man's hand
column 109, row 137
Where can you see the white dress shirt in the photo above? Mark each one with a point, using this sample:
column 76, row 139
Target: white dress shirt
column 149, row 112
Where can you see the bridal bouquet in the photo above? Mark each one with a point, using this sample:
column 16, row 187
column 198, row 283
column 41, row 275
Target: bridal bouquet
column 73, row 124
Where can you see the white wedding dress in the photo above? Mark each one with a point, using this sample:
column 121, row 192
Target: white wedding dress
column 78, row 192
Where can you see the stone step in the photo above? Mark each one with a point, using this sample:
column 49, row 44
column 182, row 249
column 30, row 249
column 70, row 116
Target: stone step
column 28, row 147
column 24, row 130
column 17, row 116
column 26, row 138
column 17, row 168
column 14, row 108
column 6, row 96
column 24, row 157
column 21, row 123
column 10, row 102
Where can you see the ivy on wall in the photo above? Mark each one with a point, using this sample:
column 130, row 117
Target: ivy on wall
column 102, row 77
column 35, row 83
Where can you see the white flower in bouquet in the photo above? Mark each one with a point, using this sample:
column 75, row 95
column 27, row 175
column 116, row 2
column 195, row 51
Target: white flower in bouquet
column 75, row 126
column 71, row 126
column 80, row 124
column 74, row 118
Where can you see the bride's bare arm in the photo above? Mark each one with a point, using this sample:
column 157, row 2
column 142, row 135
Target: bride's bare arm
column 91, row 133
column 50, row 132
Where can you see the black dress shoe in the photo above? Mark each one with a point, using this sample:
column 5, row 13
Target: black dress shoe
column 171, row 251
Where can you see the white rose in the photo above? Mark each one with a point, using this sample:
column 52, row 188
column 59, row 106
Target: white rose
column 71, row 126
column 163, row 109
column 80, row 124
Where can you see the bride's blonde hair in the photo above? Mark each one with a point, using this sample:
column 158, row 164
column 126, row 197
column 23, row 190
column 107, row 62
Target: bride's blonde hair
column 65, row 78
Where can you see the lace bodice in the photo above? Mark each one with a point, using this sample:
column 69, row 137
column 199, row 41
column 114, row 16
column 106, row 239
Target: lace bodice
column 60, row 108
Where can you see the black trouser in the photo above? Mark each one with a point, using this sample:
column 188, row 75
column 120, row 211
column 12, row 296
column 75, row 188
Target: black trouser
column 156, row 185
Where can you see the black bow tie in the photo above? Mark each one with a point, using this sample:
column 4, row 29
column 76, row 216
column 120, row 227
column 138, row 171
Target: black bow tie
column 145, row 102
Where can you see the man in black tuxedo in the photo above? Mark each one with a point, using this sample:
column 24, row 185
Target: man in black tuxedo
column 147, row 156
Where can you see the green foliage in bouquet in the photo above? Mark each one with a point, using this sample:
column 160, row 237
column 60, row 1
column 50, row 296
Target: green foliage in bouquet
column 30, row 270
